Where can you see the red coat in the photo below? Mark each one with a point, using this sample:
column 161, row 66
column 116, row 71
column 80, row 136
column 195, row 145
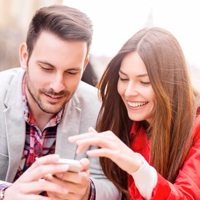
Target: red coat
column 187, row 184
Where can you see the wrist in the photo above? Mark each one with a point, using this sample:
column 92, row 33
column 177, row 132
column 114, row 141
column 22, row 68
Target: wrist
column 137, row 163
column 87, row 193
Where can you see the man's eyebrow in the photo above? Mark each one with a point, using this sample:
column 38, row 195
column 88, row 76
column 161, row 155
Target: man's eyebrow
column 45, row 62
column 51, row 65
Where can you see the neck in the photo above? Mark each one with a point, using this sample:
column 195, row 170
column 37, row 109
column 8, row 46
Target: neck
column 41, row 117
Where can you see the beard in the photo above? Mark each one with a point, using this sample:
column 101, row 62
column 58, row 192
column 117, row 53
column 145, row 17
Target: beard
column 47, row 107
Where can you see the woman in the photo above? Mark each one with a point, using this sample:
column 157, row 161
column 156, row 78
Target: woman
column 152, row 150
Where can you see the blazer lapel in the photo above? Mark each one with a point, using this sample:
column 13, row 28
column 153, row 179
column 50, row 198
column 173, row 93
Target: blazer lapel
column 16, row 139
column 70, row 125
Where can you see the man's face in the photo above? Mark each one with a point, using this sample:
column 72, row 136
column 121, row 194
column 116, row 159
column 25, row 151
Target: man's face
column 53, row 71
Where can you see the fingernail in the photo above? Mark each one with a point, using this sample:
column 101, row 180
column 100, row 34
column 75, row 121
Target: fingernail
column 70, row 139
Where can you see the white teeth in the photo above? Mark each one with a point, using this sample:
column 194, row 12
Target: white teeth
column 136, row 104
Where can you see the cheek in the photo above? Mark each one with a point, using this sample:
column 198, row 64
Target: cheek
column 37, row 83
column 152, row 96
column 120, row 89
column 35, row 77
column 71, row 83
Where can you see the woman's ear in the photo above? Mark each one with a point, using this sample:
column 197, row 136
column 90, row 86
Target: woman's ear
column 23, row 55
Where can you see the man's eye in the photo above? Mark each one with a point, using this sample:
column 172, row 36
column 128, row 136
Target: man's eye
column 45, row 68
column 72, row 72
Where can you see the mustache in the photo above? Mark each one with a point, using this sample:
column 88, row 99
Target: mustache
column 51, row 92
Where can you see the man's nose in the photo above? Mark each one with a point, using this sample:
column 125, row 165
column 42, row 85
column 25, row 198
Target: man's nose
column 58, row 84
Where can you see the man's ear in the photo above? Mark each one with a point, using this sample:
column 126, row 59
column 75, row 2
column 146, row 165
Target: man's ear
column 23, row 55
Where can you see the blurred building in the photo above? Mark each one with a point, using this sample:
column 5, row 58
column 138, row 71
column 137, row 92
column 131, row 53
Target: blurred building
column 15, row 16
column 116, row 21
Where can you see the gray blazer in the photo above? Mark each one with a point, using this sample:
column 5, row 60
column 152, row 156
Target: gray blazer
column 79, row 114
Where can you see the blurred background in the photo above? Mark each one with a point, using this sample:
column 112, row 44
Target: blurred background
column 114, row 22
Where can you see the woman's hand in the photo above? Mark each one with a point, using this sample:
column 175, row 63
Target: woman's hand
column 110, row 147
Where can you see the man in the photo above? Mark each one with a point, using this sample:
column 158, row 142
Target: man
column 42, row 105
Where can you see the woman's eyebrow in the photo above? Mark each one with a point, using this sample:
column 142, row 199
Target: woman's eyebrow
column 139, row 75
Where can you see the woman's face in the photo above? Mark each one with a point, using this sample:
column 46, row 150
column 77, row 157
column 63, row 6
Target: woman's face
column 135, row 88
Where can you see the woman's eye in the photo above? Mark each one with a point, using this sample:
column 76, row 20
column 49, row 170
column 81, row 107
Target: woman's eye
column 123, row 79
column 145, row 82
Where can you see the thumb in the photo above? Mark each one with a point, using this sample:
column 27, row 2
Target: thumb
column 85, row 164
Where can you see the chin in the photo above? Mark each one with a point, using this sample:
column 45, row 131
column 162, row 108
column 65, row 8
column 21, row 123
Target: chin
column 137, row 118
column 51, row 109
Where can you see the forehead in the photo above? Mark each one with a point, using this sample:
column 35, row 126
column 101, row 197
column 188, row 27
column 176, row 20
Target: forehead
column 133, row 64
column 49, row 41
column 59, row 52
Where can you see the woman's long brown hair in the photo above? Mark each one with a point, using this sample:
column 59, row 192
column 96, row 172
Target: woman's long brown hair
column 173, row 113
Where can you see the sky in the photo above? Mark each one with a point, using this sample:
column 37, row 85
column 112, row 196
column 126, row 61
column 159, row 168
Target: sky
column 116, row 20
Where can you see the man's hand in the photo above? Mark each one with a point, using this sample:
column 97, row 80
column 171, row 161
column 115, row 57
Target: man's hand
column 33, row 181
column 76, row 186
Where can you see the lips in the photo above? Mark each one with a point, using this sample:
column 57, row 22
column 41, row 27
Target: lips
column 53, row 99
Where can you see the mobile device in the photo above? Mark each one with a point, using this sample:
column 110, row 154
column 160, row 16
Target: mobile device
column 74, row 165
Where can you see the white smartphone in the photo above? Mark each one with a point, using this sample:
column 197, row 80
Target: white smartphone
column 74, row 165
